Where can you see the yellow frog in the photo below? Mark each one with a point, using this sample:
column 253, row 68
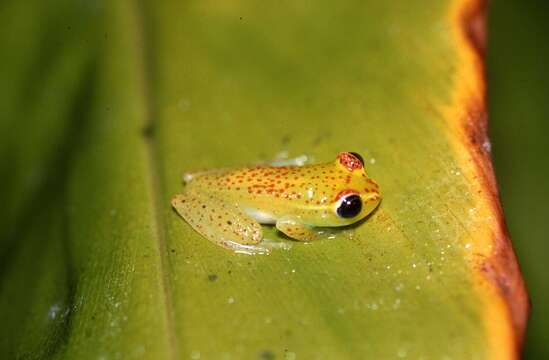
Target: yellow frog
column 227, row 206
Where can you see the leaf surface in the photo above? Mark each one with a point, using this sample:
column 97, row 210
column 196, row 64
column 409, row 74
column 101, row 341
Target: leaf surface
column 177, row 86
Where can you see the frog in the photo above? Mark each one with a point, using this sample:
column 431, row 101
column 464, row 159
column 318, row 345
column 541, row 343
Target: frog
column 228, row 205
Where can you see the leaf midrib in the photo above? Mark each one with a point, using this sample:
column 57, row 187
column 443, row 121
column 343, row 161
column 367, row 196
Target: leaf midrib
column 155, row 191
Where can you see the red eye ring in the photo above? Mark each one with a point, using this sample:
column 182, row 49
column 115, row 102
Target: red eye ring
column 345, row 192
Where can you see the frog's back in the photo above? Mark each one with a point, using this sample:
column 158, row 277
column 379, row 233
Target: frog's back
column 295, row 186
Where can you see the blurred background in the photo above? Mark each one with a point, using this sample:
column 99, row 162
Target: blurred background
column 518, row 97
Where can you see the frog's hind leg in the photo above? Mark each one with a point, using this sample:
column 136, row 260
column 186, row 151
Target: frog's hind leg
column 295, row 229
column 220, row 222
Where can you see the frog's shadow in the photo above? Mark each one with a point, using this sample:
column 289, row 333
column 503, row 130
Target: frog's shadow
column 361, row 221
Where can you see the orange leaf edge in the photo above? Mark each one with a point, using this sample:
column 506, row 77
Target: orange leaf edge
column 498, row 278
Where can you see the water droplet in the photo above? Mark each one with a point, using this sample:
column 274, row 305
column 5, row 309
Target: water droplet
column 487, row 146
column 54, row 311
column 184, row 104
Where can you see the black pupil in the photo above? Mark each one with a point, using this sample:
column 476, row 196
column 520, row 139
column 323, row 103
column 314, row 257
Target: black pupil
column 358, row 157
column 350, row 206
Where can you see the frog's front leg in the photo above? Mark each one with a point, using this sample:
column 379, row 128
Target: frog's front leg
column 294, row 228
column 220, row 222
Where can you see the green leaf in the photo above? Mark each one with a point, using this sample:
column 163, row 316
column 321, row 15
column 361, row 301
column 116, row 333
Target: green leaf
column 97, row 263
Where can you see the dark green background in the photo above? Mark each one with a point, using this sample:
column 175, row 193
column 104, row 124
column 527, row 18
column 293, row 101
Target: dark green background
column 518, row 96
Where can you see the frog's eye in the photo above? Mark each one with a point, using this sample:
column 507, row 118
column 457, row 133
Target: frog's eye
column 351, row 160
column 349, row 206
column 360, row 158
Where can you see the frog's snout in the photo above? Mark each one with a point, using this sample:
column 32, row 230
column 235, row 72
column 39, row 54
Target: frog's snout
column 372, row 201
